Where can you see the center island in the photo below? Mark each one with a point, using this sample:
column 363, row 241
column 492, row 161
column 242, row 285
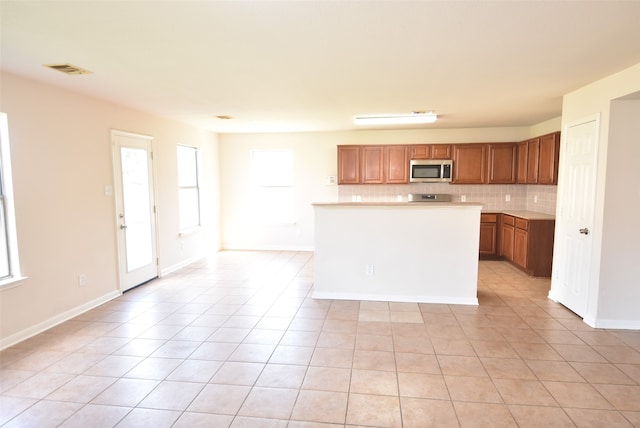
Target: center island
column 397, row 252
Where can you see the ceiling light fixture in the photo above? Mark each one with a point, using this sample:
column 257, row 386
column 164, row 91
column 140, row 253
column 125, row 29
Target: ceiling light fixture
column 417, row 117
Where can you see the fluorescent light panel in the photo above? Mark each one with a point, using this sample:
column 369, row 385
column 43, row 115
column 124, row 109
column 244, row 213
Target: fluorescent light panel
column 399, row 119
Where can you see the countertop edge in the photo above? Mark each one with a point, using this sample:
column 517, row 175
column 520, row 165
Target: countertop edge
column 525, row 214
column 399, row 204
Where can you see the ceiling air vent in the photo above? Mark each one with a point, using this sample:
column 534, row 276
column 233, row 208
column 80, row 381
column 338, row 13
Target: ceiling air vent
column 68, row 69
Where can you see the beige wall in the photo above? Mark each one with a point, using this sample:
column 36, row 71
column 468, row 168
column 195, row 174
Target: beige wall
column 614, row 268
column 61, row 157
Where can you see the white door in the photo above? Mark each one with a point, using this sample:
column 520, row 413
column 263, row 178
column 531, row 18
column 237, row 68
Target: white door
column 574, row 220
column 135, row 208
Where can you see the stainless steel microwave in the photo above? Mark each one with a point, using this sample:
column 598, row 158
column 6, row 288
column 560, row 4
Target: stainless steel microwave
column 430, row 171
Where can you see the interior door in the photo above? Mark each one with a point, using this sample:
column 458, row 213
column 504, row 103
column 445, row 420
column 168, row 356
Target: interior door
column 135, row 208
column 574, row 220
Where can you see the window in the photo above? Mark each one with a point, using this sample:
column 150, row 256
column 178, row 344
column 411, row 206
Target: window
column 272, row 178
column 188, row 187
column 9, row 262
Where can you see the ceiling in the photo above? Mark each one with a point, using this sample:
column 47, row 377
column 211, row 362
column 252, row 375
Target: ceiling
column 278, row 66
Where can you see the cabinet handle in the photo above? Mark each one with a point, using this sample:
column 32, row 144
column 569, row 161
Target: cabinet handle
column 584, row 231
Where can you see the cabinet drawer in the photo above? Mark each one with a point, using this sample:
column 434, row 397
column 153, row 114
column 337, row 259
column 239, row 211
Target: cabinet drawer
column 522, row 224
column 507, row 219
column 488, row 218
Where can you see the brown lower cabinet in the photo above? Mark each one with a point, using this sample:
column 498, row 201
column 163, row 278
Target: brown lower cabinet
column 488, row 236
column 528, row 244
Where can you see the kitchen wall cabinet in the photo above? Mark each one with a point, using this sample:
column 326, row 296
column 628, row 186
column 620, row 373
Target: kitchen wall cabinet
column 372, row 171
column 538, row 160
column 533, row 160
column 549, row 158
column 348, row 164
column 373, row 164
column 492, row 163
column 396, row 164
column 523, row 159
column 423, row 151
column 528, row 244
column 431, row 151
column 470, row 163
column 502, row 163
column 488, row 235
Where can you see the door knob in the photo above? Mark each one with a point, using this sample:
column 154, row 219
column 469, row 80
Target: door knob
column 123, row 226
column 584, row 231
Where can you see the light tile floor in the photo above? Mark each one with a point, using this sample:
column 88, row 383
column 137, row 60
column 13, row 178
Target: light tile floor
column 237, row 341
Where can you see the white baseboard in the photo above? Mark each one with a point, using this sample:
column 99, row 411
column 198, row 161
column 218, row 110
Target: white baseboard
column 178, row 266
column 613, row 324
column 242, row 247
column 58, row 319
column 446, row 300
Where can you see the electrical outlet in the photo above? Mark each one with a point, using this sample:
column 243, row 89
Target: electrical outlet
column 535, row 199
column 82, row 280
column 507, row 198
column 371, row 270
column 463, row 198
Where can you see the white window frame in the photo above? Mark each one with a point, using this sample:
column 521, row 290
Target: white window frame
column 9, row 217
column 270, row 185
column 191, row 227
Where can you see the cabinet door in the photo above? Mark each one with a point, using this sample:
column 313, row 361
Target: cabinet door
column 488, row 234
column 507, row 241
column 520, row 247
column 533, row 160
column 440, row 151
column 488, row 239
column 548, row 159
column 348, row 165
column 396, row 165
column 422, row 151
column 523, row 159
column 502, row 163
column 469, row 163
column 372, row 164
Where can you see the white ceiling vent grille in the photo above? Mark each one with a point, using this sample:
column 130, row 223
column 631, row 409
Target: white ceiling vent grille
column 68, row 69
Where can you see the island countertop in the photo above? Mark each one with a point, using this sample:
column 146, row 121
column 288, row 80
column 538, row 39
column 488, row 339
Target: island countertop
column 526, row 214
column 397, row 204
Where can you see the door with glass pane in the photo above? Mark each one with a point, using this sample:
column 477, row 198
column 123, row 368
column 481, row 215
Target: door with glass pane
column 135, row 208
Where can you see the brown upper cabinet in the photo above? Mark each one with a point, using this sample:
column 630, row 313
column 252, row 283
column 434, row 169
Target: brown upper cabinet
column 431, row 151
column 523, row 158
column 348, row 164
column 396, row 164
column 490, row 163
column 549, row 158
column 372, row 171
column 538, row 160
column 470, row 163
column 373, row 164
column 502, row 163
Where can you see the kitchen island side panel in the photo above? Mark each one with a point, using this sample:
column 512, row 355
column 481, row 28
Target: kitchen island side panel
column 397, row 252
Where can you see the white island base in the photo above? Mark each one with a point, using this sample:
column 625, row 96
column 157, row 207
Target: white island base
column 397, row 252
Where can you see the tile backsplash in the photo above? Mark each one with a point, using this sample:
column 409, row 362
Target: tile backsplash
column 521, row 197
